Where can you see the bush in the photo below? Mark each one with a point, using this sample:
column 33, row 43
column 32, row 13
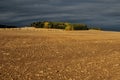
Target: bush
column 95, row 28
column 69, row 28
column 80, row 27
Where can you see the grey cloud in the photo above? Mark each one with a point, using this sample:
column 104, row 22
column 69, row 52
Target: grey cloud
column 96, row 12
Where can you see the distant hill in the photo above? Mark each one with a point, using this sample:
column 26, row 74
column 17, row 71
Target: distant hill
column 56, row 25
column 7, row 26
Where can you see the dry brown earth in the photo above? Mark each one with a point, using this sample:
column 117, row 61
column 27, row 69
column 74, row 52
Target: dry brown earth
column 41, row 54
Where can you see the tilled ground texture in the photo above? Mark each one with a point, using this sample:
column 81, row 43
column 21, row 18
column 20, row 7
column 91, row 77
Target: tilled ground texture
column 59, row 55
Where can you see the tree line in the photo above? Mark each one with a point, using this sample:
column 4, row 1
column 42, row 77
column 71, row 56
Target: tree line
column 6, row 26
column 59, row 25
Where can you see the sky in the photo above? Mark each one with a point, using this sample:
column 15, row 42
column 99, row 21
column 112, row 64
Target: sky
column 104, row 13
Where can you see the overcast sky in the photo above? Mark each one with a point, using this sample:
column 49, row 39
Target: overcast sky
column 95, row 12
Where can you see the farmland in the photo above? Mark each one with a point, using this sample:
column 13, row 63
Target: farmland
column 50, row 54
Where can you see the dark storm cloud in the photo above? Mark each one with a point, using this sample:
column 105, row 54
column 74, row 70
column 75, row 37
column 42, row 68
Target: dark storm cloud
column 96, row 12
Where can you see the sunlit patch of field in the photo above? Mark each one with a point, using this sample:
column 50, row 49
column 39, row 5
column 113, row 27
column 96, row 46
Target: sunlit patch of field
column 50, row 54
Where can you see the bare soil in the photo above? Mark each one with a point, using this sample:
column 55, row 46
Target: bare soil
column 43, row 54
